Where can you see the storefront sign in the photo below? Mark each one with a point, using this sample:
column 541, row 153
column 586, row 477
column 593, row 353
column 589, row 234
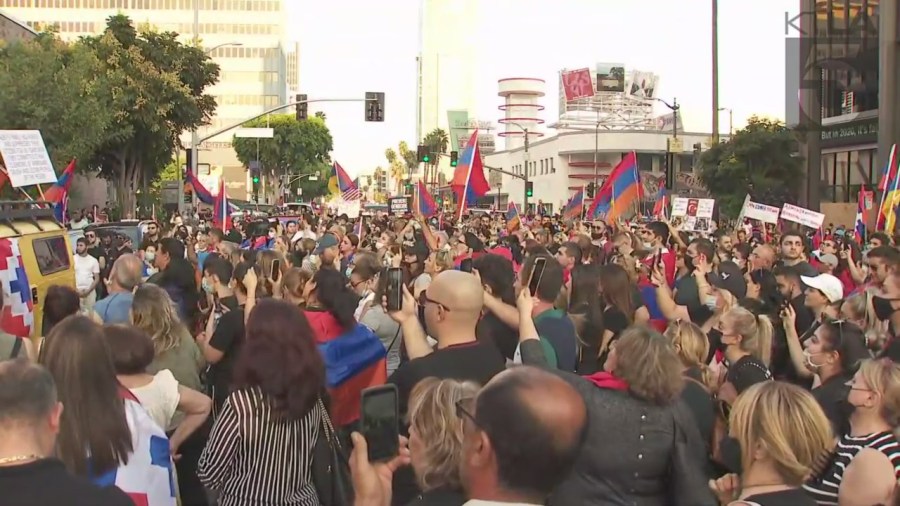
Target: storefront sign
column 850, row 133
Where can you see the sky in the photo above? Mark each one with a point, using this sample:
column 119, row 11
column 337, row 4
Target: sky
column 348, row 47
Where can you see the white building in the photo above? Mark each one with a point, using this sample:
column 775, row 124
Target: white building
column 561, row 165
column 245, row 37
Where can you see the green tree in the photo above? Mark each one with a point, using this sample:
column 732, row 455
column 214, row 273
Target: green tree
column 321, row 115
column 296, row 148
column 156, row 89
column 437, row 142
column 760, row 160
column 57, row 88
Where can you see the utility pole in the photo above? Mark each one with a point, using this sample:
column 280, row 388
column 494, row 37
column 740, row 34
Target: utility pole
column 715, row 71
column 525, row 184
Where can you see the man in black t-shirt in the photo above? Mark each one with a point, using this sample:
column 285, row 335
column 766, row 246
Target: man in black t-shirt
column 224, row 333
column 29, row 422
column 452, row 304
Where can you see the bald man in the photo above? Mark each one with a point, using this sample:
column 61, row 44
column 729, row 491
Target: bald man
column 124, row 277
column 521, row 437
column 762, row 257
column 452, row 306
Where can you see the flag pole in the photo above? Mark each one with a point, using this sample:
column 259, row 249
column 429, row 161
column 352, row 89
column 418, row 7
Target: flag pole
column 884, row 192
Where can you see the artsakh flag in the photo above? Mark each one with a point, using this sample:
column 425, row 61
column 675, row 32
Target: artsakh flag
column 17, row 316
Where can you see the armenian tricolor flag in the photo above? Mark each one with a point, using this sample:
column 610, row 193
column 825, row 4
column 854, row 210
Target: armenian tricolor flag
column 890, row 194
column 661, row 206
column 57, row 193
column 425, row 204
column 221, row 211
column 513, row 220
column 203, row 195
column 575, row 206
column 469, row 182
column 619, row 192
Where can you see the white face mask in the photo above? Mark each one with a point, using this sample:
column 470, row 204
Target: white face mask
column 379, row 245
column 807, row 358
column 648, row 245
column 711, row 302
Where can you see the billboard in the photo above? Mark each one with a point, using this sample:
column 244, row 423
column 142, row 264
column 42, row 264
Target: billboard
column 663, row 123
column 642, row 85
column 611, row 77
column 577, row 84
column 459, row 129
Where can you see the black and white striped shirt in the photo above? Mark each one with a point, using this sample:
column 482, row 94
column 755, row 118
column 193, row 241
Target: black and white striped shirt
column 253, row 457
column 824, row 488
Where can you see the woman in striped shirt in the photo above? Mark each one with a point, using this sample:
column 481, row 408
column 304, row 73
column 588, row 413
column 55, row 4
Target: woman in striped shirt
column 866, row 463
column 261, row 445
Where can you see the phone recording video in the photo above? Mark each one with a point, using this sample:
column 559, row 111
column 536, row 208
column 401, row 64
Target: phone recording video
column 380, row 421
column 537, row 273
column 394, row 292
column 276, row 270
column 466, row 265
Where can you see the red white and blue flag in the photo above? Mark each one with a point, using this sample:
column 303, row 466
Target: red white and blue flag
column 859, row 229
column 469, row 182
column 148, row 477
column 348, row 188
column 17, row 316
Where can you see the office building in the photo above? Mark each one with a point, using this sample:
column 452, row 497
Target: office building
column 259, row 67
column 858, row 120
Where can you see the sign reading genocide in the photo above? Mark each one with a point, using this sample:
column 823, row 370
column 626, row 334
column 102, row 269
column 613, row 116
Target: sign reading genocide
column 398, row 205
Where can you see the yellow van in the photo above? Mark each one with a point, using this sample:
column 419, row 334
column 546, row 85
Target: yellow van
column 46, row 254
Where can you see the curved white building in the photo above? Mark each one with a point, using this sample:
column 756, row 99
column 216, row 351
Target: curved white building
column 521, row 107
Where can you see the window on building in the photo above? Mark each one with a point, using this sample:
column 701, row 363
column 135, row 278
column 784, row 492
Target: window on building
column 553, row 165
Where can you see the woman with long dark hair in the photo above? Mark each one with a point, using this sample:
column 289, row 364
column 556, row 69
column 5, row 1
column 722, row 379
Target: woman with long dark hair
column 498, row 280
column 617, row 297
column 261, row 445
column 105, row 435
column 586, row 310
column 354, row 355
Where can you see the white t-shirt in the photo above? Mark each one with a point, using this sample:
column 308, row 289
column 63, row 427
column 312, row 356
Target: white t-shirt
column 79, row 225
column 86, row 267
column 160, row 398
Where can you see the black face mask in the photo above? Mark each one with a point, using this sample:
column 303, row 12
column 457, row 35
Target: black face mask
column 596, row 236
column 689, row 262
column 884, row 308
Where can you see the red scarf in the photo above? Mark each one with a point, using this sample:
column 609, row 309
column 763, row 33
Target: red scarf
column 608, row 381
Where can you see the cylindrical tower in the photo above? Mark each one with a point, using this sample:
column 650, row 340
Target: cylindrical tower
column 522, row 95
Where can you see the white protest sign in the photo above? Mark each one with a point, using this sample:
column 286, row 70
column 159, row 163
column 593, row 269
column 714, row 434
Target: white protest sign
column 802, row 216
column 761, row 212
column 26, row 158
column 349, row 207
column 692, row 214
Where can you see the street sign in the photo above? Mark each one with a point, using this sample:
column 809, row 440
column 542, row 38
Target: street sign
column 254, row 133
column 674, row 145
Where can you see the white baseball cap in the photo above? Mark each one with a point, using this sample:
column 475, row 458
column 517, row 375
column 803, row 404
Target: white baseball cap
column 827, row 284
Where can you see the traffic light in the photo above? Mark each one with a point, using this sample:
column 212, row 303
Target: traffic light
column 302, row 107
column 529, row 189
column 454, row 158
column 374, row 106
column 589, row 193
column 422, row 151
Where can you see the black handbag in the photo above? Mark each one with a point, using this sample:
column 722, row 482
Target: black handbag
column 688, row 481
column 330, row 466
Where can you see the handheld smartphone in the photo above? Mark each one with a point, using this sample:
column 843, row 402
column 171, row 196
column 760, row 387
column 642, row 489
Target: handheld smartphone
column 466, row 265
column 394, row 292
column 659, row 261
column 380, row 421
column 276, row 270
column 537, row 273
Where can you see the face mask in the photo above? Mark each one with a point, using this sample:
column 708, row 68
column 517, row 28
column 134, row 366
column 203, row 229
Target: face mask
column 207, row 286
column 149, row 255
column 883, row 308
column 648, row 245
column 711, row 302
column 379, row 245
column 807, row 358
column 596, row 236
column 689, row 262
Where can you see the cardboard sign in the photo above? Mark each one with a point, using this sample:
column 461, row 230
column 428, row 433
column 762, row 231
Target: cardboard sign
column 26, row 158
column 761, row 212
column 398, row 206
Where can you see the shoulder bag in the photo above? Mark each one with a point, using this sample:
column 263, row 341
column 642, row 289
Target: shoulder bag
column 330, row 467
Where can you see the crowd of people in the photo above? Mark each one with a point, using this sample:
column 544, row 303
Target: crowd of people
column 542, row 362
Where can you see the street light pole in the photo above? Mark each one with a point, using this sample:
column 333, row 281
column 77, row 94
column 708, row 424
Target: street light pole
column 730, row 119
column 715, row 71
column 527, row 163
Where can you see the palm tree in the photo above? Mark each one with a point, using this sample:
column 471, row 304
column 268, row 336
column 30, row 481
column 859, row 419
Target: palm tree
column 437, row 142
column 321, row 115
column 398, row 170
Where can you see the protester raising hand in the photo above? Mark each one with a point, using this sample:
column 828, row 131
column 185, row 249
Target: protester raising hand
column 372, row 483
column 407, row 312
